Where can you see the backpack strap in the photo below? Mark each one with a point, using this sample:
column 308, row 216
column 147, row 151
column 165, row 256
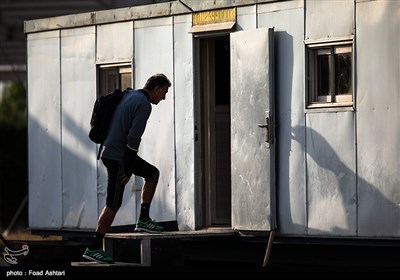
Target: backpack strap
column 101, row 147
column 102, row 143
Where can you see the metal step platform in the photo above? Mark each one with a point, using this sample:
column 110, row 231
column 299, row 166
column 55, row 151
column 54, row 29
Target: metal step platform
column 163, row 248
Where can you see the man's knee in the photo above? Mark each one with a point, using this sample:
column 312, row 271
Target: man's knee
column 114, row 207
column 154, row 177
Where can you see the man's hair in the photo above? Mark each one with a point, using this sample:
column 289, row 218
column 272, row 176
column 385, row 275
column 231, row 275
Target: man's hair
column 157, row 80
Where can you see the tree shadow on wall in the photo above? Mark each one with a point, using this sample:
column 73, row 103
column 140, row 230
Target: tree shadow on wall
column 376, row 215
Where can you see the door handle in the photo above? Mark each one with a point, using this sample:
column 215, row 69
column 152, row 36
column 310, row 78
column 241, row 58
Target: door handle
column 266, row 126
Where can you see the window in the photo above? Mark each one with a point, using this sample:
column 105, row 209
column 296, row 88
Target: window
column 114, row 76
column 330, row 75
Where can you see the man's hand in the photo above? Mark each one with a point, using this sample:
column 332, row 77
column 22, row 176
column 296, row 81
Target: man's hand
column 128, row 162
column 124, row 179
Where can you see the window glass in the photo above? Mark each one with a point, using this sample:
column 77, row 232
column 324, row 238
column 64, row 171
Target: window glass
column 125, row 78
column 114, row 76
column 343, row 73
column 330, row 75
column 323, row 72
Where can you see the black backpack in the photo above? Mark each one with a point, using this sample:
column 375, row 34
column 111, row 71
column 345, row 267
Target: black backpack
column 103, row 110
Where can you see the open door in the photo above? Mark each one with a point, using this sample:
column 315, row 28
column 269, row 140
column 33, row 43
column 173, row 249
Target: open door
column 252, row 130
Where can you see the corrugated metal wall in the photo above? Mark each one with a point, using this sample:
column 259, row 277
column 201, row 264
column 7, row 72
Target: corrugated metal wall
column 337, row 170
column 112, row 47
column 329, row 143
column 78, row 91
column 287, row 18
column 44, row 130
column 154, row 53
column 184, row 123
column 378, row 117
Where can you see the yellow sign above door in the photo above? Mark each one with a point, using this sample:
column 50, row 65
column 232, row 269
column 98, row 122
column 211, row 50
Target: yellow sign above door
column 214, row 20
column 214, row 16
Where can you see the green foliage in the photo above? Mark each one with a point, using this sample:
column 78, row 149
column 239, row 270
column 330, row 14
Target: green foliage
column 13, row 106
column 13, row 150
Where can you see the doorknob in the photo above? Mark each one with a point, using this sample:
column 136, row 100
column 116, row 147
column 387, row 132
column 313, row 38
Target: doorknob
column 266, row 126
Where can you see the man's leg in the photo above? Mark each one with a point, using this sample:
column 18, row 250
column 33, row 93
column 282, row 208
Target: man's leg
column 94, row 251
column 105, row 220
column 148, row 191
column 145, row 223
column 115, row 192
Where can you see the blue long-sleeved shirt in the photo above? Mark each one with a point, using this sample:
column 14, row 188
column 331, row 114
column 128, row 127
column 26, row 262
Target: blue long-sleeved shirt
column 127, row 124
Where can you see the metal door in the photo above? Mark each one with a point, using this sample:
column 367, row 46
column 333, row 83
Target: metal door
column 252, row 130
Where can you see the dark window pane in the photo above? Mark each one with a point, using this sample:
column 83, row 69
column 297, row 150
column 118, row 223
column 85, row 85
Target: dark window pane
column 323, row 74
column 343, row 73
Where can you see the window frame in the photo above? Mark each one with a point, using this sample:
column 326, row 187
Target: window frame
column 108, row 70
column 331, row 100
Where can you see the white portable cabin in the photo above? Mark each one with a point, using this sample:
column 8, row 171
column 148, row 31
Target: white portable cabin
column 282, row 115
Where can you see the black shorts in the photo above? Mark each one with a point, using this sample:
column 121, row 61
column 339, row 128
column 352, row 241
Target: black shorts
column 115, row 190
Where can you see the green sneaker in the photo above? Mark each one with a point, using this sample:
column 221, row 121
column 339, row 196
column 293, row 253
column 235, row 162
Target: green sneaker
column 149, row 226
column 97, row 255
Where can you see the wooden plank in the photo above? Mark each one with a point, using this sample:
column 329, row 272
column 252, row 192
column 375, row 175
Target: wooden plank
column 95, row 264
column 145, row 252
column 269, row 248
column 173, row 234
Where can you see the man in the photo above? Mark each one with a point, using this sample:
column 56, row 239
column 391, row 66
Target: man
column 121, row 160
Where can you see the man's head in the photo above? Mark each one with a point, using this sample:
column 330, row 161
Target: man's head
column 157, row 87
